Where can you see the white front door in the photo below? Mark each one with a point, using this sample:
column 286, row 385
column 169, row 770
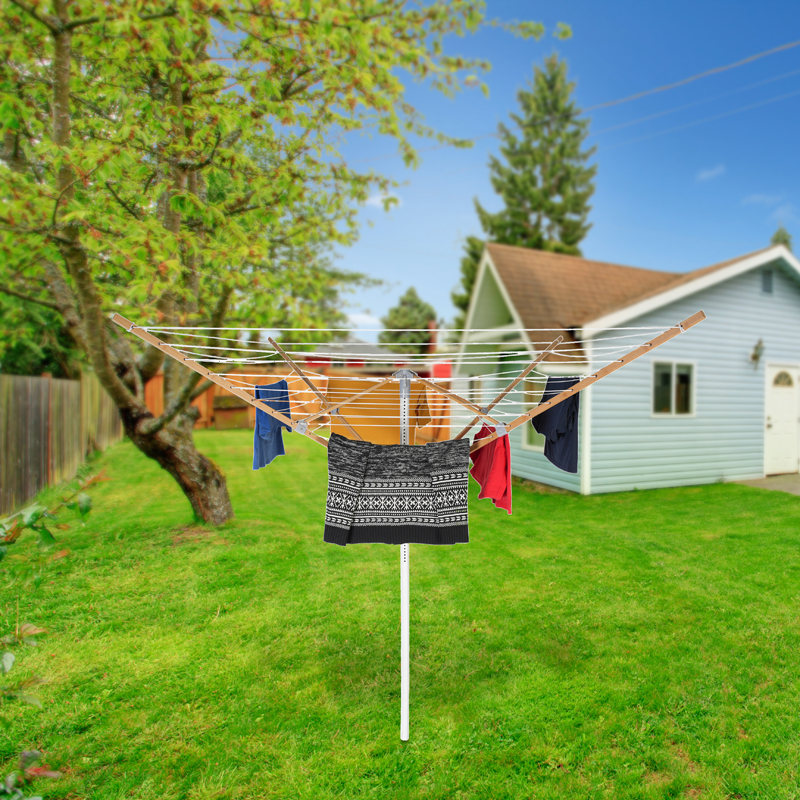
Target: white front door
column 782, row 436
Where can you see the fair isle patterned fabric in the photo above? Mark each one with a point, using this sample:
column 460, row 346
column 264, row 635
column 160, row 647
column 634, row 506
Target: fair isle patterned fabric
column 397, row 493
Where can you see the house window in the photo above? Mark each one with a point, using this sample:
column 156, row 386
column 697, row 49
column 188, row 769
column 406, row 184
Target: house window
column 783, row 378
column 533, row 390
column 766, row 281
column 673, row 388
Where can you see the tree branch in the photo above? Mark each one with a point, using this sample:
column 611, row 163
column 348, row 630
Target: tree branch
column 130, row 210
column 70, row 26
column 53, row 28
column 30, row 299
column 170, row 12
column 187, row 391
column 203, row 387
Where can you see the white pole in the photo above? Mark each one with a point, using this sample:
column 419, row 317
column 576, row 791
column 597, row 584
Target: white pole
column 404, row 376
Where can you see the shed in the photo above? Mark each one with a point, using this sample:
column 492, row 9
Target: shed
column 721, row 403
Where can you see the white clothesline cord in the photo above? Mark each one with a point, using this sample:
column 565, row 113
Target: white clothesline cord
column 158, row 328
column 284, row 344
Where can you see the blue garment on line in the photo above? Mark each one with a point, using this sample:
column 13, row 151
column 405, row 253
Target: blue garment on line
column 559, row 424
column 267, row 439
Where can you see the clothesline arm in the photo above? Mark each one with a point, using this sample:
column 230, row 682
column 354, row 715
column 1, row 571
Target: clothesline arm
column 212, row 376
column 511, row 386
column 453, row 396
column 647, row 347
column 347, row 400
column 310, row 385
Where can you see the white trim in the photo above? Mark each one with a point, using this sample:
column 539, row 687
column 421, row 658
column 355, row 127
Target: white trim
column 529, row 448
column 485, row 264
column 674, row 362
column 509, row 303
column 585, row 432
column 476, row 287
column 624, row 315
column 491, row 335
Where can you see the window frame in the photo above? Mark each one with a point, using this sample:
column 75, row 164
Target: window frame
column 767, row 281
column 674, row 363
column 531, row 448
column 553, row 371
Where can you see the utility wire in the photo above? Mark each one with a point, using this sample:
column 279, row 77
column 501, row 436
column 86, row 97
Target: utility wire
column 620, row 101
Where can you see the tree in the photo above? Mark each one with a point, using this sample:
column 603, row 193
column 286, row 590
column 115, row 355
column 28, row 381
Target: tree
column 473, row 250
column 545, row 182
column 410, row 312
column 782, row 236
column 178, row 163
column 33, row 340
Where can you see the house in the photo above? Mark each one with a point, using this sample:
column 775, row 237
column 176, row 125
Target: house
column 719, row 403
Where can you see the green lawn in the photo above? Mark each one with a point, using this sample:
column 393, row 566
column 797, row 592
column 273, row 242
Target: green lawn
column 640, row 645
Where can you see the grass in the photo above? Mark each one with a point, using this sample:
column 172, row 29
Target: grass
column 639, row 645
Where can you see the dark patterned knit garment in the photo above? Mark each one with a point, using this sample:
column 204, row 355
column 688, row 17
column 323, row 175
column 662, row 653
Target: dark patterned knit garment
column 397, row 493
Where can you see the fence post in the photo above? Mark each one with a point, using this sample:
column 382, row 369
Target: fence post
column 49, row 377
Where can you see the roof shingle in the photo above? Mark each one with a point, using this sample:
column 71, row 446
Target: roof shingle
column 560, row 292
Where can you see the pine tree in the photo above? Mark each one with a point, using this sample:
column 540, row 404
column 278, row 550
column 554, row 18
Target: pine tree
column 411, row 312
column 782, row 236
column 473, row 250
column 544, row 181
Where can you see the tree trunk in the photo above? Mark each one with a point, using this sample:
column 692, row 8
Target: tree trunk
column 174, row 449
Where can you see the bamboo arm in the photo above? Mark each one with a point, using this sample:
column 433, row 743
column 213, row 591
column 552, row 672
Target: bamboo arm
column 212, row 376
column 511, row 386
column 285, row 356
column 457, row 398
column 647, row 347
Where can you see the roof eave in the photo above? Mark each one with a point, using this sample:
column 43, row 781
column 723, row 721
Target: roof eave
column 628, row 313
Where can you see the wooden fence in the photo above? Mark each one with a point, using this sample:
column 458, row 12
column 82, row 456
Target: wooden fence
column 47, row 427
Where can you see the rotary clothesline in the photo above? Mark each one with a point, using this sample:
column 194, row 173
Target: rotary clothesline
column 404, row 378
column 479, row 412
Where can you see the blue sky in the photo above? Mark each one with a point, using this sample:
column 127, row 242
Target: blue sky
column 705, row 182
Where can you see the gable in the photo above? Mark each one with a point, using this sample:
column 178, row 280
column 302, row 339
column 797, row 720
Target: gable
column 489, row 308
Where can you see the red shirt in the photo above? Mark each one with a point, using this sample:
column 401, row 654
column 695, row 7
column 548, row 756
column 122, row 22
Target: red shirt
column 491, row 467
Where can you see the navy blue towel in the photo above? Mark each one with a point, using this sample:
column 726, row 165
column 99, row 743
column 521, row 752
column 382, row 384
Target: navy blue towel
column 559, row 424
column 267, row 439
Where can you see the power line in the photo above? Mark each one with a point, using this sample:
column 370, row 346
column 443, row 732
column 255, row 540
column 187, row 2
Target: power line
column 620, row 101
column 706, row 119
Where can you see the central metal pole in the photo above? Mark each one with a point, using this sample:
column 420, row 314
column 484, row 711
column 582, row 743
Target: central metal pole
column 404, row 376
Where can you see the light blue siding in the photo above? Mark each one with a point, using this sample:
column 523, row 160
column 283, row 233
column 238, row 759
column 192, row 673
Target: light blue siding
column 725, row 439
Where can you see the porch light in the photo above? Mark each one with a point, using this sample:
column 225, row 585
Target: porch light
column 758, row 351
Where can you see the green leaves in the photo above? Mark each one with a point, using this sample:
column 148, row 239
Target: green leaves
column 46, row 539
column 7, row 660
column 82, row 504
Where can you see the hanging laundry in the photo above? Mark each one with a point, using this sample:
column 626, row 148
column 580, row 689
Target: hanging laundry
column 491, row 468
column 395, row 494
column 559, row 424
column 267, row 438
column 376, row 416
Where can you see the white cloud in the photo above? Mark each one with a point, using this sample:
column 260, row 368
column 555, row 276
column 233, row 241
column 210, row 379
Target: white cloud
column 762, row 199
column 376, row 200
column 363, row 321
column 786, row 213
column 710, row 174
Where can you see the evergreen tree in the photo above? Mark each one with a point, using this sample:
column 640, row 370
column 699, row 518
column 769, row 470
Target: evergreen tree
column 782, row 236
column 411, row 312
column 544, row 181
column 473, row 250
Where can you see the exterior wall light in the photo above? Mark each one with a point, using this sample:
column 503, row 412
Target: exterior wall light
column 758, row 351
